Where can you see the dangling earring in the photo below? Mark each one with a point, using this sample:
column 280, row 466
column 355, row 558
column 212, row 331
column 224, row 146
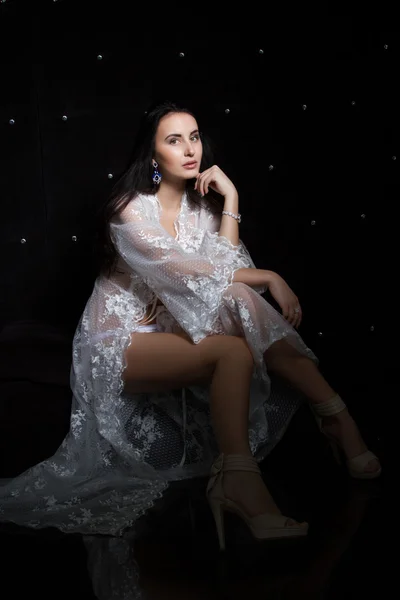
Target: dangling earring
column 156, row 175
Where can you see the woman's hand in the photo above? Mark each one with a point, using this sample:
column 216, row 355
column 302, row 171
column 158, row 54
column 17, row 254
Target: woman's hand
column 216, row 179
column 286, row 299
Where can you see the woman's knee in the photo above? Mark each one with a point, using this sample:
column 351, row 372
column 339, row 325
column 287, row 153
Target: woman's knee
column 239, row 347
column 217, row 347
column 237, row 291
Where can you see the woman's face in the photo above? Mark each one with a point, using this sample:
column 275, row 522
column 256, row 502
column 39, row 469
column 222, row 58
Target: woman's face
column 178, row 142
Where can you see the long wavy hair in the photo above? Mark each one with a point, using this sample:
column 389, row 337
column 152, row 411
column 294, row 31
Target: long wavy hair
column 137, row 178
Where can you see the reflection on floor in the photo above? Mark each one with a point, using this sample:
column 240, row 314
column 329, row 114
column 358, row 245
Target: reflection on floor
column 177, row 557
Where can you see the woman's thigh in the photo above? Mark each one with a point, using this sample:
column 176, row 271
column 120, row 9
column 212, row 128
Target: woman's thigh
column 168, row 361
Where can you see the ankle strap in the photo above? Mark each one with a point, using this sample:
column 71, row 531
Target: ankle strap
column 237, row 462
column 329, row 408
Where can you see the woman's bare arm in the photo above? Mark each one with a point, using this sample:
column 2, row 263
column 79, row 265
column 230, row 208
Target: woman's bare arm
column 253, row 277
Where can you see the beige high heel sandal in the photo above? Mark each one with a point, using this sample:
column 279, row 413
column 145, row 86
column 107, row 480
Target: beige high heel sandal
column 263, row 527
column 355, row 466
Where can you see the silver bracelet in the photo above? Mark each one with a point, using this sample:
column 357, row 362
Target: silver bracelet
column 237, row 217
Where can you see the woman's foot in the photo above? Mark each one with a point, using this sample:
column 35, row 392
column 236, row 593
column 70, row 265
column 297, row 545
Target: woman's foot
column 249, row 491
column 343, row 429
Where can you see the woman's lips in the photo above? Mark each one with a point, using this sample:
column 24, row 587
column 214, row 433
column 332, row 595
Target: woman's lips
column 190, row 165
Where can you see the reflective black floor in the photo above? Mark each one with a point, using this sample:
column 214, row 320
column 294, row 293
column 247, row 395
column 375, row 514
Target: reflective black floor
column 349, row 552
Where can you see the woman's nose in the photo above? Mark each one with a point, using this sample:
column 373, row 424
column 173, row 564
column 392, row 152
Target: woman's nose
column 189, row 149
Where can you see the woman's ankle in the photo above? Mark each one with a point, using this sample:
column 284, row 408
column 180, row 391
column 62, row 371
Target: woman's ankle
column 237, row 450
column 250, row 491
column 338, row 418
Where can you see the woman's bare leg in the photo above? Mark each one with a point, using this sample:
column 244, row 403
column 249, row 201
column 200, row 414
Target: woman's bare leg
column 164, row 361
column 304, row 375
column 230, row 396
column 229, row 407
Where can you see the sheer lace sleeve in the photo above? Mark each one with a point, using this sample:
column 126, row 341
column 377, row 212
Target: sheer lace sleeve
column 222, row 249
column 190, row 284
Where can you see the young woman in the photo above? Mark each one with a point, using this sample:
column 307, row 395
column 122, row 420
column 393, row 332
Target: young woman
column 178, row 307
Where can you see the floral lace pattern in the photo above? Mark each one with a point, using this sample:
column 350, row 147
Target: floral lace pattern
column 123, row 450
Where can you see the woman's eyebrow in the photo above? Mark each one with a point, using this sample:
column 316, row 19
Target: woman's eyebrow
column 179, row 135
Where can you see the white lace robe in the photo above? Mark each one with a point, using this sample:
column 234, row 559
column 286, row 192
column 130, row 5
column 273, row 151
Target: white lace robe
column 123, row 450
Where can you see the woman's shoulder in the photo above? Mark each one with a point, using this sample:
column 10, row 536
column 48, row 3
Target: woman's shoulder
column 138, row 205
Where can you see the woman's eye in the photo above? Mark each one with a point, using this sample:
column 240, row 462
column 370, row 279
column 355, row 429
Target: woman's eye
column 196, row 137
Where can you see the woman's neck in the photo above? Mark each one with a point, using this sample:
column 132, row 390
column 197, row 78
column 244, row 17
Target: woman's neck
column 170, row 195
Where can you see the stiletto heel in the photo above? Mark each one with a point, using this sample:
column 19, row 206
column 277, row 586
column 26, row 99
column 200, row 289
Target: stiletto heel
column 355, row 466
column 218, row 513
column 263, row 527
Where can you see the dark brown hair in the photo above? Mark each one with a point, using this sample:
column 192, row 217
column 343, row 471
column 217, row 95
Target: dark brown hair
column 138, row 179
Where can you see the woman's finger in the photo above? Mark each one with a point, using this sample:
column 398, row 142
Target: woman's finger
column 295, row 316
column 298, row 319
column 292, row 315
column 206, row 181
column 200, row 181
column 201, row 185
column 285, row 311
